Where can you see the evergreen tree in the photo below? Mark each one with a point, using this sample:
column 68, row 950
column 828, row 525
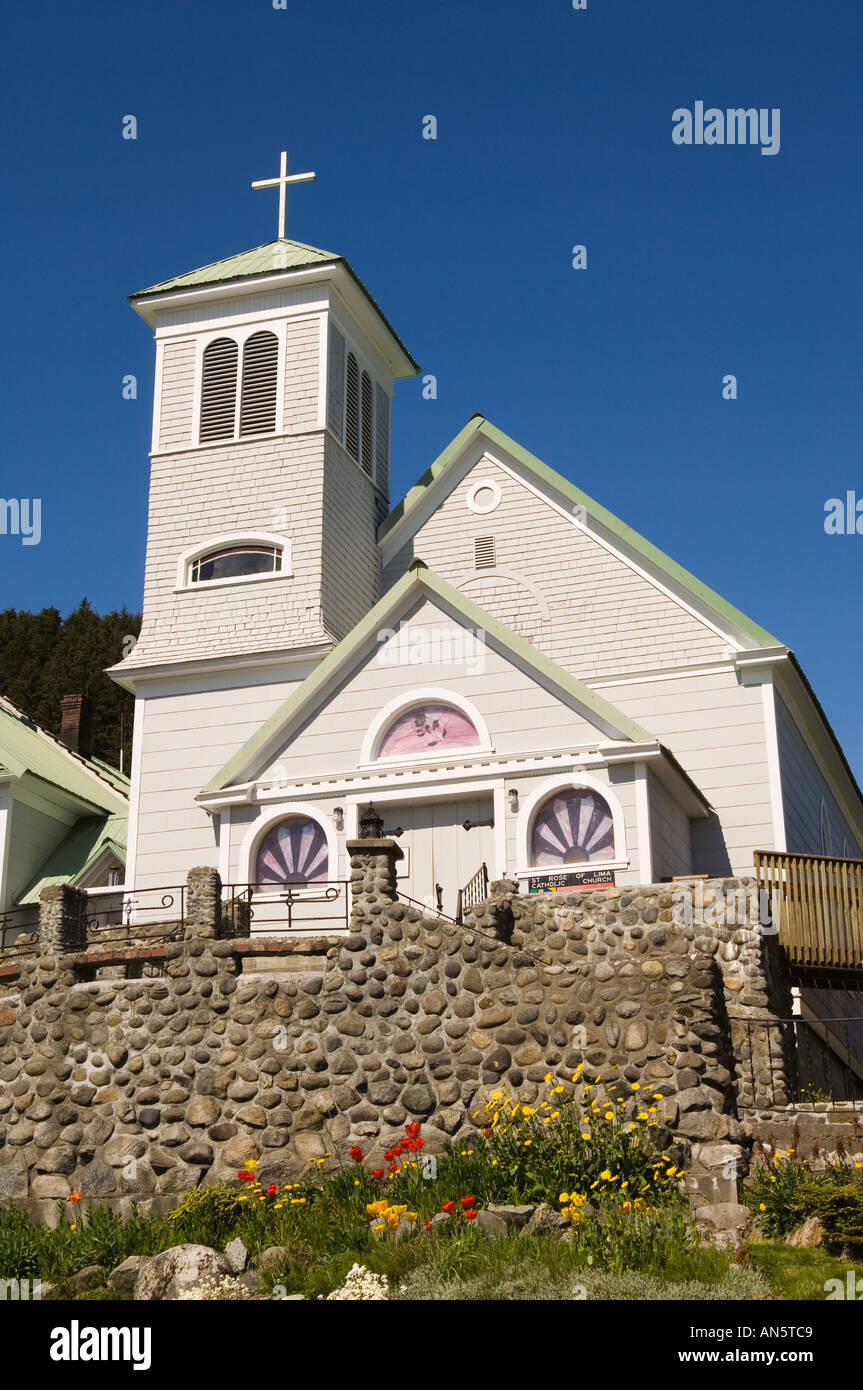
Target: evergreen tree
column 44, row 657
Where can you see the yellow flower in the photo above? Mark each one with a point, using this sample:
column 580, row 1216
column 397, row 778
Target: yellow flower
column 252, row 1165
column 527, row 1141
column 276, row 1205
column 244, row 1197
column 606, row 1175
column 298, row 1201
column 356, row 1182
column 761, row 1206
column 410, row 1216
column 378, row 1229
column 547, row 1078
column 73, row 1226
column 564, row 1197
column 585, row 1136
column 642, row 1115
column 636, row 1085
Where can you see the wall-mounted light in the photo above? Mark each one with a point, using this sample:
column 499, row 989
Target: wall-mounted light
column 339, row 817
column 513, row 798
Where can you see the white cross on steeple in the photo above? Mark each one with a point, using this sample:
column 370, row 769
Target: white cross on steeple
column 282, row 184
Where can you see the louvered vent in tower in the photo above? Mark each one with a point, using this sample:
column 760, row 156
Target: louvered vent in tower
column 352, row 408
column 258, row 395
column 484, row 556
column 219, row 390
column 382, row 440
column 368, row 422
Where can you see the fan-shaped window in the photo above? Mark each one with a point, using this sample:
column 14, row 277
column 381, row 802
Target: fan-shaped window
column 352, row 408
column 219, row 390
column 293, row 852
column 258, row 395
column 572, row 827
column 426, row 728
column 235, row 561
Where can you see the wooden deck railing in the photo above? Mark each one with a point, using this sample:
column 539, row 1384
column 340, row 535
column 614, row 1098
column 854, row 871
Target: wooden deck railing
column 817, row 904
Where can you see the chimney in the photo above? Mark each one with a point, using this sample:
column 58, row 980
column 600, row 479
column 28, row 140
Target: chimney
column 76, row 723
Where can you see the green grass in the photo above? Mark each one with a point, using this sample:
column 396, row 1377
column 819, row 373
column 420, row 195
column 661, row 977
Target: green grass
column 798, row 1274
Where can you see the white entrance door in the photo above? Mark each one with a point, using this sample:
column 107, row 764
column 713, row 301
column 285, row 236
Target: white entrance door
column 439, row 852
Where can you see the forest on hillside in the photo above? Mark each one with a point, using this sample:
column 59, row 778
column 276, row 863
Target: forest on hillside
column 44, row 657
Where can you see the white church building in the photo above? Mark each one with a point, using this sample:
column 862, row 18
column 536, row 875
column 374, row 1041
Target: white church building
column 508, row 673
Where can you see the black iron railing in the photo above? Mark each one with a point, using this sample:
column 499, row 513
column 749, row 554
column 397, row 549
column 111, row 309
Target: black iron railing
column 294, row 907
column 15, row 922
column 424, row 907
column 131, row 912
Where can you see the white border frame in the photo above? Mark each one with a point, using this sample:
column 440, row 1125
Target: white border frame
column 581, row 781
column 403, row 703
column 483, row 483
column 259, row 828
column 235, row 538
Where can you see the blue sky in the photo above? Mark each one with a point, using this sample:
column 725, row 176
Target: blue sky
column 554, row 128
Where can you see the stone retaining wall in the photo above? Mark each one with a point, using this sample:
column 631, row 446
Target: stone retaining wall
column 144, row 1069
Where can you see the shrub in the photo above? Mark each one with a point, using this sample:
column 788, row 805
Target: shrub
column 838, row 1206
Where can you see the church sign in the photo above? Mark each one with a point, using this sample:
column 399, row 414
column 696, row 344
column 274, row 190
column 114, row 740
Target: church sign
column 561, row 883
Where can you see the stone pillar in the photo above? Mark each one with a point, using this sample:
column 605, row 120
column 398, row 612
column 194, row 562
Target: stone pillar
column 62, row 919
column 203, row 904
column 373, row 874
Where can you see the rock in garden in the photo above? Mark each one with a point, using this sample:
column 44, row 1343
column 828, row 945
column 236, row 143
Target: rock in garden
column 271, row 1258
column 237, row 1256
column 810, row 1233
column 545, row 1220
column 122, row 1279
column 513, row 1216
column 181, row 1267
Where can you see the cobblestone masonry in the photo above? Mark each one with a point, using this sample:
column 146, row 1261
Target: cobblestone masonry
column 144, row 1067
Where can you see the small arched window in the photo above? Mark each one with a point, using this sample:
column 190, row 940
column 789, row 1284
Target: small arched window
column 236, row 561
column 352, row 408
column 258, row 394
column 572, row 827
column 219, row 390
column 425, row 729
column 293, row 852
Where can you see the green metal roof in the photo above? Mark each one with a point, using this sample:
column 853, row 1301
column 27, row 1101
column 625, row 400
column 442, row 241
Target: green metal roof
column 420, row 581
column 550, row 480
column 262, row 260
column 26, row 748
column 76, row 854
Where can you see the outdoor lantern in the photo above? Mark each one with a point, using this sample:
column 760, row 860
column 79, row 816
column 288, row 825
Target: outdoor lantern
column 371, row 825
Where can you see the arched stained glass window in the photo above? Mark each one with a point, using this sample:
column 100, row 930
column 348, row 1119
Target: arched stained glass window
column 293, row 852
column 426, row 728
column 572, row 827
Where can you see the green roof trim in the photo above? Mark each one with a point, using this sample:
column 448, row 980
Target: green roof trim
column 549, row 479
column 273, row 258
column 420, row 581
column 27, row 748
column 78, row 852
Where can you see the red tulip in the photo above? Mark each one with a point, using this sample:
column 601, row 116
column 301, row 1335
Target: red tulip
column 427, row 1226
column 412, row 1130
column 468, row 1202
column 389, row 1156
column 448, row 1206
column 378, row 1173
column 356, row 1153
column 393, row 1168
column 471, row 1215
column 272, row 1190
column 246, row 1177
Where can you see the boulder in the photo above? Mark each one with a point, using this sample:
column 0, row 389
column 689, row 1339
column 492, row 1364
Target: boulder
column 545, row 1220
column 181, row 1267
column 271, row 1258
column 237, row 1256
column 122, row 1279
column 513, row 1216
column 810, row 1233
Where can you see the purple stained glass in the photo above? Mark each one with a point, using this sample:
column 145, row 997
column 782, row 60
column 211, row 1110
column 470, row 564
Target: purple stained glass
column 293, row 852
column 428, row 727
column 572, row 827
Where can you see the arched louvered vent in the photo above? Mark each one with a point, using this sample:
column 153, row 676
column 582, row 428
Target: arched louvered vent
column 258, row 395
column 484, row 552
column 219, row 390
column 352, row 408
column 368, row 422
column 382, row 440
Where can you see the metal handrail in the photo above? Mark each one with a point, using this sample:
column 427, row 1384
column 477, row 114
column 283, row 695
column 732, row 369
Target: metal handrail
column 474, row 891
column 293, row 895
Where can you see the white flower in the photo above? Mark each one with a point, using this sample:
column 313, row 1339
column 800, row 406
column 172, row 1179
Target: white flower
column 215, row 1289
column 361, row 1284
